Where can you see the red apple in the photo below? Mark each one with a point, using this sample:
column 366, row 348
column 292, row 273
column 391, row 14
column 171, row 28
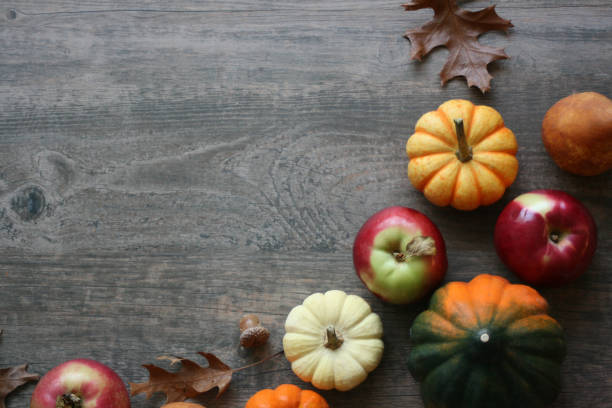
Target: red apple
column 80, row 383
column 546, row 237
column 399, row 255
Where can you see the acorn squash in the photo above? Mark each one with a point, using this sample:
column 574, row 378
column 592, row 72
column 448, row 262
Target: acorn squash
column 487, row 343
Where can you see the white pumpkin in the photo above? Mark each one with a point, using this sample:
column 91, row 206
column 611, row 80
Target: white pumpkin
column 333, row 340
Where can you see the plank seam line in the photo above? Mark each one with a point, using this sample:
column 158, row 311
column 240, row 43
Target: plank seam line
column 48, row 13
column 100, row 11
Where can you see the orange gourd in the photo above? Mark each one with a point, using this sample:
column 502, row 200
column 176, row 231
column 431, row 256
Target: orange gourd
column 462, row 155
column 286, row 396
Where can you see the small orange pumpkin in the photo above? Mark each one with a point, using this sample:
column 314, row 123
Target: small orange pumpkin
column 182, row 405
column 462, row 155
column 286, row 396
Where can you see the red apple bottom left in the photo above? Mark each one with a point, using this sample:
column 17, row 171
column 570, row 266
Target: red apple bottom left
column 80, row 383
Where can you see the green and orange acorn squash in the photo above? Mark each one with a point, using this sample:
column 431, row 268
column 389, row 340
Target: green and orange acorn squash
column 487, row 343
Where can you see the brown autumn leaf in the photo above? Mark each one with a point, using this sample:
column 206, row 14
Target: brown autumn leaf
column 458, row 31
column 13, row 377
column 191, row 380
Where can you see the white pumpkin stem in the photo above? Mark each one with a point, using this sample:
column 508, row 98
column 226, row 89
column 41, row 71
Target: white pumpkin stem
column 464, row 153
column 418, row 246
column 333, row 339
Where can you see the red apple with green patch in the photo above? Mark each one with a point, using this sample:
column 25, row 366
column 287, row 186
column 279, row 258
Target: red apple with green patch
column 80, row 383
column 546, row 237
column 399, row 254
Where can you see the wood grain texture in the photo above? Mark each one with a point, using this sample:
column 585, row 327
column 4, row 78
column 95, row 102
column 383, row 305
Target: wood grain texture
column 193, row 161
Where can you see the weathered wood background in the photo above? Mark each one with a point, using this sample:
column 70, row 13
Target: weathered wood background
column 186, row 162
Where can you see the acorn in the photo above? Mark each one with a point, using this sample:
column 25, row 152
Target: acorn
column 252, row 333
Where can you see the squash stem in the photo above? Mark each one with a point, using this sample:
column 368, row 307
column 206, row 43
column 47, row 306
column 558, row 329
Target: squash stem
column 68, row 400
column 333, row 339
column 464, row 153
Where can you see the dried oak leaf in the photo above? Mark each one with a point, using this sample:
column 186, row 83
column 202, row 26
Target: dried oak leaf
column 458, row 31
column 190, row 381
column 13, row 377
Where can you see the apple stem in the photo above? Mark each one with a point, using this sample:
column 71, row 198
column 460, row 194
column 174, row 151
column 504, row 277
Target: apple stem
column 333, row 339
column 464, row 153
column 418, row 246
column 68, row 400
column 554, row 237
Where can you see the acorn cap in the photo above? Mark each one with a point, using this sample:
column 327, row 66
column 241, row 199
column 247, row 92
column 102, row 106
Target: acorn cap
column 254, row 336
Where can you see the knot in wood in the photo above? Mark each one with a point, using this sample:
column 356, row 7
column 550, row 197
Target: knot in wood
column 29, row 203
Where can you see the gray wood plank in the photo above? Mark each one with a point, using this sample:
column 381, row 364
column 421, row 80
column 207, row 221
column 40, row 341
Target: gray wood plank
column 201, row 160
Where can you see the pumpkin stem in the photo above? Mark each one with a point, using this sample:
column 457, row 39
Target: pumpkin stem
column 418, row 246
column 333, row 339
column 68, row 400
column 464, row 153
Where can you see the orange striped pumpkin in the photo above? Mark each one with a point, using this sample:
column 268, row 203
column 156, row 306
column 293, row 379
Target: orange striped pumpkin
column 462, row 155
